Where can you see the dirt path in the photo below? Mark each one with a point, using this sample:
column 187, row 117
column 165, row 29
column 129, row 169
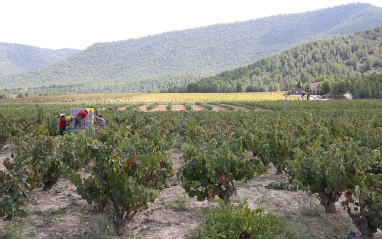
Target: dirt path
column 122, row 108
column 238, row 108
column 260, row 110
column 218, row 108
column 197, row 107
column 143, row 108
column 158, row 108
column 178, row 108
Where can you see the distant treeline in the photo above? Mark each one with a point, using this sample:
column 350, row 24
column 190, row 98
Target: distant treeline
column 344, row 57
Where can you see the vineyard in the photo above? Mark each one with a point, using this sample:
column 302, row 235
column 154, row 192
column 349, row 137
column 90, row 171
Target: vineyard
column 153, row 97
column 295, row 169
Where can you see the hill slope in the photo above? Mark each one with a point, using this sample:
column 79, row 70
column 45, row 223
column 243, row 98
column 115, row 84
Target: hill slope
column 177, row 58
column 344, row 57
column 17, row 58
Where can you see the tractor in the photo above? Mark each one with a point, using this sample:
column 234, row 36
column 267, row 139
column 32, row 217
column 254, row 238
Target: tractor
column 90, row 120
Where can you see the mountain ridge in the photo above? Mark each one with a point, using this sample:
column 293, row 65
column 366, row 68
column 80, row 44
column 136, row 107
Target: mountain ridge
column 179, row 57
column 345, row 57
column 19, row 58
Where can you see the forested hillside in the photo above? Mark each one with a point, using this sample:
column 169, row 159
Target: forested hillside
column 17, row 58
column 180, row 57
column 343, row 57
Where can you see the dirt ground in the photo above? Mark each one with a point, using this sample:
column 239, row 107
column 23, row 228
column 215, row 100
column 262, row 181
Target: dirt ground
column 218, row 108
column 197, row 107
column 178, row 108
column 158, row 108
column 61, row 213
column 238, row 108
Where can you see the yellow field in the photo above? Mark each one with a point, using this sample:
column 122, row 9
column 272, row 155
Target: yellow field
column 155, row 97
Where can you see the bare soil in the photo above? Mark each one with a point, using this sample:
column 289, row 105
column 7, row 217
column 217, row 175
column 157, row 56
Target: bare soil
column 158, row 108
column 143, row 108
column 238, row 108
column 260, row 109
column 178, row 108
column 122, row 108
column 218, row 108
column 62, row 213
column 197, row 107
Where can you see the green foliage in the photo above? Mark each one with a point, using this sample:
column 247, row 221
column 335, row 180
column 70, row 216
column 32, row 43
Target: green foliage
column 238, row 221
column 364, row 196
column 211, row 169
column 332, row 148
column 22, row 58
column 314, row 61
column 169, row 106
column 152, row 106
column 204, row 105
column 128, row 171
column 187, row 105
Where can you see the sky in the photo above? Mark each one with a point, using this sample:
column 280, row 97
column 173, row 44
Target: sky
column 77, row 24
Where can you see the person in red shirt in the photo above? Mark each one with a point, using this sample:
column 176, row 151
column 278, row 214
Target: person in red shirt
column 81, row 118
column 62, row 124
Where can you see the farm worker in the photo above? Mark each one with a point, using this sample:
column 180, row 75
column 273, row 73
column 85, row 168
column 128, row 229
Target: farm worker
column 62, row 124
column 102, row 122
column 81, row 118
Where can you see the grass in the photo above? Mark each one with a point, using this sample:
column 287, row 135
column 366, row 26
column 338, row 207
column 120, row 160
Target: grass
column 134, row 106
column 204, row 105
column 311, row 221
column 102, row 229
column 16, row 229
column 187, row 105
column 169, row 106
column 180, row 203
column 152, row 106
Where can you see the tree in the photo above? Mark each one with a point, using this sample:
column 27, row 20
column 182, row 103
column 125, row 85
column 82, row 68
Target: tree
column 326, row 87
column 239, row 87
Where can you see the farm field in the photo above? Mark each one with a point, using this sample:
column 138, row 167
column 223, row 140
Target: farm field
column 154, row 97
column 163, row 164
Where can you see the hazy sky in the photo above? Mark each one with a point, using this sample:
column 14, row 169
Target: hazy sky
column 78, row 24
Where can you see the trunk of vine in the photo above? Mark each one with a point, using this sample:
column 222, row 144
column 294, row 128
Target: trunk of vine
column 226, row 192
column 279, row 171
column 361, row 222
column 119, row 225
column 264, row 161
column 120, row 220
column 48, row 183
column 328, row 201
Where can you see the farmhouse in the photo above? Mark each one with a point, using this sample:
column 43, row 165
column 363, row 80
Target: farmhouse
column 314, row 88
column 294, row 90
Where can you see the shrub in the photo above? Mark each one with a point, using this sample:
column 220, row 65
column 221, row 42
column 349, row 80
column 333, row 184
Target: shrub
column 238, row 221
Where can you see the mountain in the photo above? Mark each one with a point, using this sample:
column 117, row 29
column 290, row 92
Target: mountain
column 17, row 58
column 344, row 57
column 180, row 57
